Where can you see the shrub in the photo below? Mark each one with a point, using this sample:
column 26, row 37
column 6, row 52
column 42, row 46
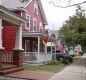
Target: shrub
column 65, row 61
column 70, row 59
column 53, row 62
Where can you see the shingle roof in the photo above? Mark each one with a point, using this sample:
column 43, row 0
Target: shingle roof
column 13, row 4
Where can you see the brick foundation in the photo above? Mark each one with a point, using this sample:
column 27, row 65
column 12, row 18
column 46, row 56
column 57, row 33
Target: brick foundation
column 17, row 57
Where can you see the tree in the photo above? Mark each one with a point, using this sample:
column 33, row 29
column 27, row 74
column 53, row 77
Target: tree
column 66, row 3
column 73, row 31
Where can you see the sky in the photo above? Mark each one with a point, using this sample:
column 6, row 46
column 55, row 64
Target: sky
column 56, row 16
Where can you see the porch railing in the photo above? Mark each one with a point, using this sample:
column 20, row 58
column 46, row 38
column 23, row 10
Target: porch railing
column 7, row 57
column 34, row 57
column 30, row 56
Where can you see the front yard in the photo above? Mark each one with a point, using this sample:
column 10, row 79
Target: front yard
column 46, row 68
column 54, row 67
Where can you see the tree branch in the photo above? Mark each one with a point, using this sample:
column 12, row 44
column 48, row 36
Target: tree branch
column 66, row 6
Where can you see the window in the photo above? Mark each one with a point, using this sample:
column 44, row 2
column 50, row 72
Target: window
column 34, row 24
column 27, row 47
column 28, row 22
column 40, row 27
column 35, row 7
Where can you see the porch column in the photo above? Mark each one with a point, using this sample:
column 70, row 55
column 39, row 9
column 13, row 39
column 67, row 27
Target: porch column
column 18, row 51
column 18, row 42
column 38, row 48
column 55, row 51
column 1, row 34
column 1, row 48
column 46, row 52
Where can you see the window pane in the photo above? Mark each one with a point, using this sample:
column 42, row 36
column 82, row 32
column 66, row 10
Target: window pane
column 28, row 23
column 35, row 7
column 35, row 25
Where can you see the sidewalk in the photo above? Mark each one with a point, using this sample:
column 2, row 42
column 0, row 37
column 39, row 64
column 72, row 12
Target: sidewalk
column 76, row 71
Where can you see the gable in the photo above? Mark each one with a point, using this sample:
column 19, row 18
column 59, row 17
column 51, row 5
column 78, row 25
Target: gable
column 40, row 7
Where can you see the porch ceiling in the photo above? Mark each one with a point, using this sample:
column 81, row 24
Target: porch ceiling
column 36, row 34
column 10, row 18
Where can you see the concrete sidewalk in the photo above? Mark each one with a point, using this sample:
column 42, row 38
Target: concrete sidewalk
column 75, row 71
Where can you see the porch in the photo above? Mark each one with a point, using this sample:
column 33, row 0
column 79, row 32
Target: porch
column 34, row 57
column 10, row 62
column 35, row 50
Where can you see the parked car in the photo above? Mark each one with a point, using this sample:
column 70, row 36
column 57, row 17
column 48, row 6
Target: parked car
column 59, row 55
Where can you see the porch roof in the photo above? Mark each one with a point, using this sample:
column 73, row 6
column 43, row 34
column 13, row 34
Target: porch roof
column 36, row 34
column 10, row 17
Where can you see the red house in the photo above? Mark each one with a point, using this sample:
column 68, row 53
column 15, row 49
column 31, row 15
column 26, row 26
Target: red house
column 8, row 18
column 33, row 32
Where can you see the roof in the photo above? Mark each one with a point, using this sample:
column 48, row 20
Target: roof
column 6, row 14
column 13, row 4
column 42, row 11
column 36, row 34
column 16, row 4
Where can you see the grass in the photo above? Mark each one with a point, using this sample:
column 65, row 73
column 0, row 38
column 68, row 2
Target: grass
column 46, row 68
column 49, row 68
column 76, row 57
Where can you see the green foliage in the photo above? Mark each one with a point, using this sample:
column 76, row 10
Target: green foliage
column 53, row 62
column 70, row 59
column 46, row 68
column 65, row 61
column 73, row 31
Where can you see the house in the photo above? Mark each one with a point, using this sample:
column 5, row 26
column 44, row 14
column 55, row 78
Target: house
column 33, row 31
column 8, row 18
column 52, row 45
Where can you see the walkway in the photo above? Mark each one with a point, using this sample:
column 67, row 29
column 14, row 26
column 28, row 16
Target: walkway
column 31, row 75
column 76, row 71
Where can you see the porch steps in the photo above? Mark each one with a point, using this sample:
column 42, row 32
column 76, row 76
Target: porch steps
column 11, row 70
column 8, row 67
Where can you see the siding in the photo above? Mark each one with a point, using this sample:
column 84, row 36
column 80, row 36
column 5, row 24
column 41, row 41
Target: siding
column 9, row 34
column 39, row 17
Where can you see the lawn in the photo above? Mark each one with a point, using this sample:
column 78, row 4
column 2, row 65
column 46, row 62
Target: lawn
column 47, row 68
